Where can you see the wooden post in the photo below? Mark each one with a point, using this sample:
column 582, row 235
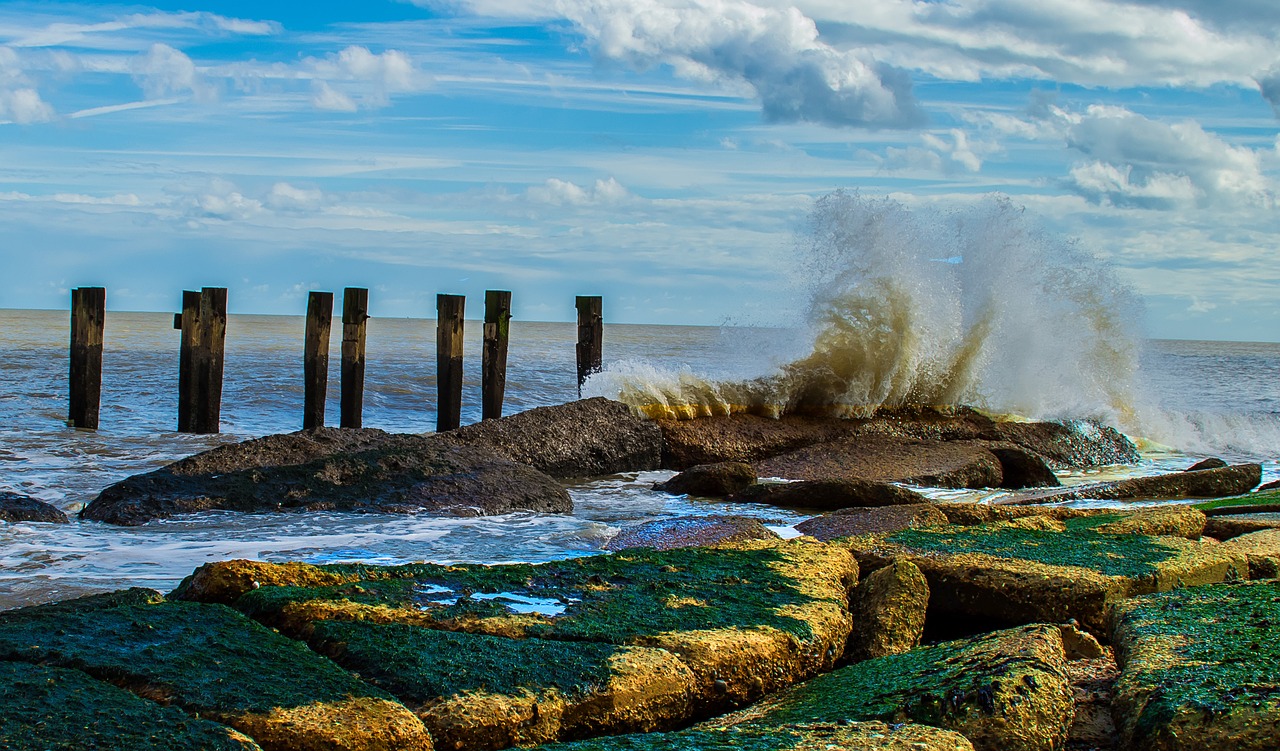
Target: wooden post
column 88, row 318
column 449, row 309
column 590, row 336
column 315, row 358
column 493, row 368
column 200, row 362
column 355, row 311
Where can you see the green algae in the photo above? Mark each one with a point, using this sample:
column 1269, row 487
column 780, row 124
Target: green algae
column 1082, row 523
column 418, row 664
column 932, row 685
column 1111, row 555
column 1265, row 498
column 1223, row 637
column 203, row 657
column 46, row 708
column 728, row 739
column 607, row 598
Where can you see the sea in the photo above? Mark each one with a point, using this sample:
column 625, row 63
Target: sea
column 894, row 306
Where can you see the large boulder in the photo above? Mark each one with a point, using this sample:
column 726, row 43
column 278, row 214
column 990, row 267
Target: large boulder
column 851, row 522
column 1198, row 669
column 1070, row 444
column 888, row 609
column 1202, row 483
column 710, row 480
column 397, row 474
column 21, row 508
column 689, row 532
column 586, row 438
column 948, row 464
column 828, row 495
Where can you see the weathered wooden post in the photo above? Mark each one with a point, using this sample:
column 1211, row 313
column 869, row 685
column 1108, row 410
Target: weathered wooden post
column 315, row 358
column 200, row 363
column 88, row 318
column 493, row 368
column 449, row 309
column 590, row 336
column 355, row 311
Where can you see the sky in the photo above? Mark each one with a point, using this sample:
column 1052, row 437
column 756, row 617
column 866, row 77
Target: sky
column 662, row 153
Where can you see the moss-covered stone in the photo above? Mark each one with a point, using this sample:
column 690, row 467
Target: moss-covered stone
column 1020, row 575
column 1259, row 499
column 486, row 692
column 856, row 736
column 888, row 610
column 212, row 661
column 746, row 618
column 46, row 708
column 1198, row 669
column 1262, row 549
column 1004, row 691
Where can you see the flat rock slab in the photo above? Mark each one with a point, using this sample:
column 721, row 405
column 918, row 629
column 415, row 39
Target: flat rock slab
column 746, row 618
column 399, row 474
column 1227, row 527
column 852, row 522
column 1198, row 669
column 1004, row 691
column 45, row 708
column 947, row 464
column 845, row 736
column 474, row 691
column 21, row 508
column 1176, row 520
column 1262, row 548
column 1201, row 483
column 213, row 662
column 1016, row 574
column 829, row 495
column 689, row 532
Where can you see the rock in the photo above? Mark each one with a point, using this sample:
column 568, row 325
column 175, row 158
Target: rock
column 1020, row 468
column 1010, row 575
column 1211, row 463
column 755, row 616
column 1262, row 548
column 690, row 531
column 825, row 736
column 44, row 708
column 398, row 474
column 1004, row 691
column 829, row 494
column 1171, row 519
column 1073, row 444
column 1227, row 527
column 474, row 691
column 1198, row 668
column 710, row 480
column 21, row 508
column 1080, row 645
column 213, row 662
column 850, row 522
column 741, row 438
column 888, row 609
column 947, row 464
column 1203, row 483
column 1273, row 485
column 1093, row 683
column 586, row 438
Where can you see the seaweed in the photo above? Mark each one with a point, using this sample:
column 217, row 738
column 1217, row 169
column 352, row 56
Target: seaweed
column 1265, row 498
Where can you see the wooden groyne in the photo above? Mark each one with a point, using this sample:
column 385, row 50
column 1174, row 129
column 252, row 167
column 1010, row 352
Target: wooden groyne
column 203, row 323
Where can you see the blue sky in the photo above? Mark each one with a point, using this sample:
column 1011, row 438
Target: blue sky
column 663, row 153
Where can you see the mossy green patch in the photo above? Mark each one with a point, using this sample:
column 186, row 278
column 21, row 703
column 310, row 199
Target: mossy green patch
column 202, row 657
column 1265, row 498
column 1111, row 555
column 419, row 664
column 1080, row 523
column 46, row 708
column 1222, row 638
column 611, row 598
column 810, row 737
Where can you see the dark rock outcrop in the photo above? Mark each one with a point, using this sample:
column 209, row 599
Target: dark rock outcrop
column 21, row 508
column 1020, row 468
column 850, row 522
column 1210, row 463
column 1203, row 483
column 398, row 474
column 710, row 480
column 829, row 495
column 690, row 532
column 947, row 464
column 1073, row 444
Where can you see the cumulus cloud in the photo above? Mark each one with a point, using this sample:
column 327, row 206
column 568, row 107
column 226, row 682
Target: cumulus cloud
column 163, row 71
column 1269, row 85
column 355, row 77
column 558, row 192
column 1136, row 161
column 20, row 102
column 286, row 197
column 937, row 154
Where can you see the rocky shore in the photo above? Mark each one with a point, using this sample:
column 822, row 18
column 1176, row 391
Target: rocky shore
column 892, row 623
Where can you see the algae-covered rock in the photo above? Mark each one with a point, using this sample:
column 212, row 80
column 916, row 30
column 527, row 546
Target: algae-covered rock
column 710, row 480
column 874, row 520
column 1021, row 575
column 1198, row 669
column 474, row 691
column 211, row 661
column 21, row 508
column 1004, row 691
column 888, row 609
column 1262, row 549
column 829, row 494
column 1172, row 519
column 690, row 531
column 818, row 736
column 45, row 708
column 746, row 618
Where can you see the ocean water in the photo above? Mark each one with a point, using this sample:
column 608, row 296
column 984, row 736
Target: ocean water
column 896, row 306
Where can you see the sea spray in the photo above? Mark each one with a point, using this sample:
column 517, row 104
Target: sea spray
column 919, row 306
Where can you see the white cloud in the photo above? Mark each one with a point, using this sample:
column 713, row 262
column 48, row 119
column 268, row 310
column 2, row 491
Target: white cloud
column 356, row 77
column 286, row 197
column 325, row 97
column 937, row 155
column 24, row 106
column 558, row 192
column 163, row 71
column 106, row 34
